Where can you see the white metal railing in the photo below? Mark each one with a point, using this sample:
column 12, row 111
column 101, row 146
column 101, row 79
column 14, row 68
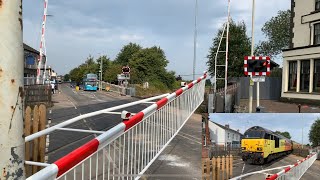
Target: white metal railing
column 295, row 171
column 128, row 149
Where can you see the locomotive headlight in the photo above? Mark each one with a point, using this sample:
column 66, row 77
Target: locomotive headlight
column 259, row 149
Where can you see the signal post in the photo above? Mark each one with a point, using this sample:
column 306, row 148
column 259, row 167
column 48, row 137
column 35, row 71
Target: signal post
column 11, row 91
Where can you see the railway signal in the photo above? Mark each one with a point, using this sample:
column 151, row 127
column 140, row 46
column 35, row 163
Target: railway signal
column 125, row 69
column 257, row 66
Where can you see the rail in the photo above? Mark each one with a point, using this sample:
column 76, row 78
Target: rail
column 128, row 149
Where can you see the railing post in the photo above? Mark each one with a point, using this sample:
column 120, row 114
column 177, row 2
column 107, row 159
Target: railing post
column 11, row 91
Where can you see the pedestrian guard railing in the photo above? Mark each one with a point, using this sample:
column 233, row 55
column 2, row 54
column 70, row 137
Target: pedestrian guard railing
column 288, row 172
column 129, row 148
column 296, row 171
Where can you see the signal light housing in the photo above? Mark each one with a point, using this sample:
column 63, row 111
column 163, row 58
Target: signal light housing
column 125, row 115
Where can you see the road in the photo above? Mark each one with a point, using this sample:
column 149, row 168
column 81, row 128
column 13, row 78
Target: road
column 241, row 168
column 70, row 103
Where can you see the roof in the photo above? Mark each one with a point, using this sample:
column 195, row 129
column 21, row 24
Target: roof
column 266, row 130
column 225, row 128
column 30, row 49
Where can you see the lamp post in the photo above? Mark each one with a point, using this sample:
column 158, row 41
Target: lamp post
column 252, row 51
column 195, row 40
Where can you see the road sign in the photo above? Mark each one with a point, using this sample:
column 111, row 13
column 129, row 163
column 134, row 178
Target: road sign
column 258, row 78
column 123, row 77
column 257, row 66
column 251, row 82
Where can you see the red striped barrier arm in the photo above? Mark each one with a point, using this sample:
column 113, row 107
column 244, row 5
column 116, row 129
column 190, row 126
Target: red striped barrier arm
column 275, row 176
column 67, row 162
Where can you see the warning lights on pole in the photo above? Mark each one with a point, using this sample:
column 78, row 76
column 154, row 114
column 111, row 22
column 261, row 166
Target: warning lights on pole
column 257, row 66
column 125, row 69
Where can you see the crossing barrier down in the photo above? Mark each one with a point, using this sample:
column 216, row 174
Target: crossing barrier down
column 128, row 149
column 295, row 171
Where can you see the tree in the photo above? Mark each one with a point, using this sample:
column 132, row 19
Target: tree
column 66, row 77
column 285, row 134
column 106, row 63
column 314, row 134
column 149, row 64
column 126, row 53
column 239, row 46
column 277, row 32
column 110, row 75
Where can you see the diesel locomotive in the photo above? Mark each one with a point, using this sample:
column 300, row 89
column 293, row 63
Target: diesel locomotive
column 261, row 145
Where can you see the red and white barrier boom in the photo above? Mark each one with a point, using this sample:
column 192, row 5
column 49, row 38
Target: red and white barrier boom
column 295, row 171
column 128, row 149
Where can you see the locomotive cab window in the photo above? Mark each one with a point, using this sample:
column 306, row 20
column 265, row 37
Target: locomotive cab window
column 267, row 136
column 276, row 144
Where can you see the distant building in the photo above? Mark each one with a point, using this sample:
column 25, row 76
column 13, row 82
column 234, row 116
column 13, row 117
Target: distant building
column 224, row 136
column 301, row 62
column 31, row 57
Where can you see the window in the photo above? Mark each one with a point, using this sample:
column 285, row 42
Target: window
column 316, row 76
column 228, row 135
column 317, row 4
column 305, row 76
column 292, row 75
column 232, row 136
column 316, row 33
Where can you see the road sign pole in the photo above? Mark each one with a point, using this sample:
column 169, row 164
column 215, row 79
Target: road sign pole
column 250, row 94
column 258, row 94
column 11, row 91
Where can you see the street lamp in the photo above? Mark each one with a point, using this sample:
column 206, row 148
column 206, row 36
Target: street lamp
column 252, row 51
column 195, row 39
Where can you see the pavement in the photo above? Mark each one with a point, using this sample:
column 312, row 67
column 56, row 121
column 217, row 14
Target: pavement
column 272, row 106
column 181, row 159
column 241, row 168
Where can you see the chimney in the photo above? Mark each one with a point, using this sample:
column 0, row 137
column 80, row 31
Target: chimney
column 227, row 126
column 238, row 130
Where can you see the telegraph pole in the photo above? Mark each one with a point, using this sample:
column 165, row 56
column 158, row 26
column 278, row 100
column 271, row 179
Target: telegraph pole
column 11, row 91
column 252, row 51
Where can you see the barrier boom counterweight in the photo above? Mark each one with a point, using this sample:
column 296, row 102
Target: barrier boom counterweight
column 11, row 90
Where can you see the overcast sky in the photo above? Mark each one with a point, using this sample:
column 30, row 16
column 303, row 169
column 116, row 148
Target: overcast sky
column 291, row 122
column 79, row 28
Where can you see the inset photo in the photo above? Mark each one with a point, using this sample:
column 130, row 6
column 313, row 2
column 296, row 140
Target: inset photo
column 252, row 146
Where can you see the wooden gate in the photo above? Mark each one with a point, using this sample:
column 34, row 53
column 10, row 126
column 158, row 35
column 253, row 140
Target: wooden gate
column 218, row 168
column 35, row 120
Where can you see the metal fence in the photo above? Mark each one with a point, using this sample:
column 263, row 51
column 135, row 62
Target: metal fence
column 269, row 90
column 217, row 100
column 295, row 171
column 128, row 149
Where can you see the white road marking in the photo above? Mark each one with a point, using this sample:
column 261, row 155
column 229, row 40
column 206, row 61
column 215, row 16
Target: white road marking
column 244, row 165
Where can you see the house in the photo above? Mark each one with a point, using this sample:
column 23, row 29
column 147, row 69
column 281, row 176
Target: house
column 301, row 62
column 224, row 136
column 31, row 57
